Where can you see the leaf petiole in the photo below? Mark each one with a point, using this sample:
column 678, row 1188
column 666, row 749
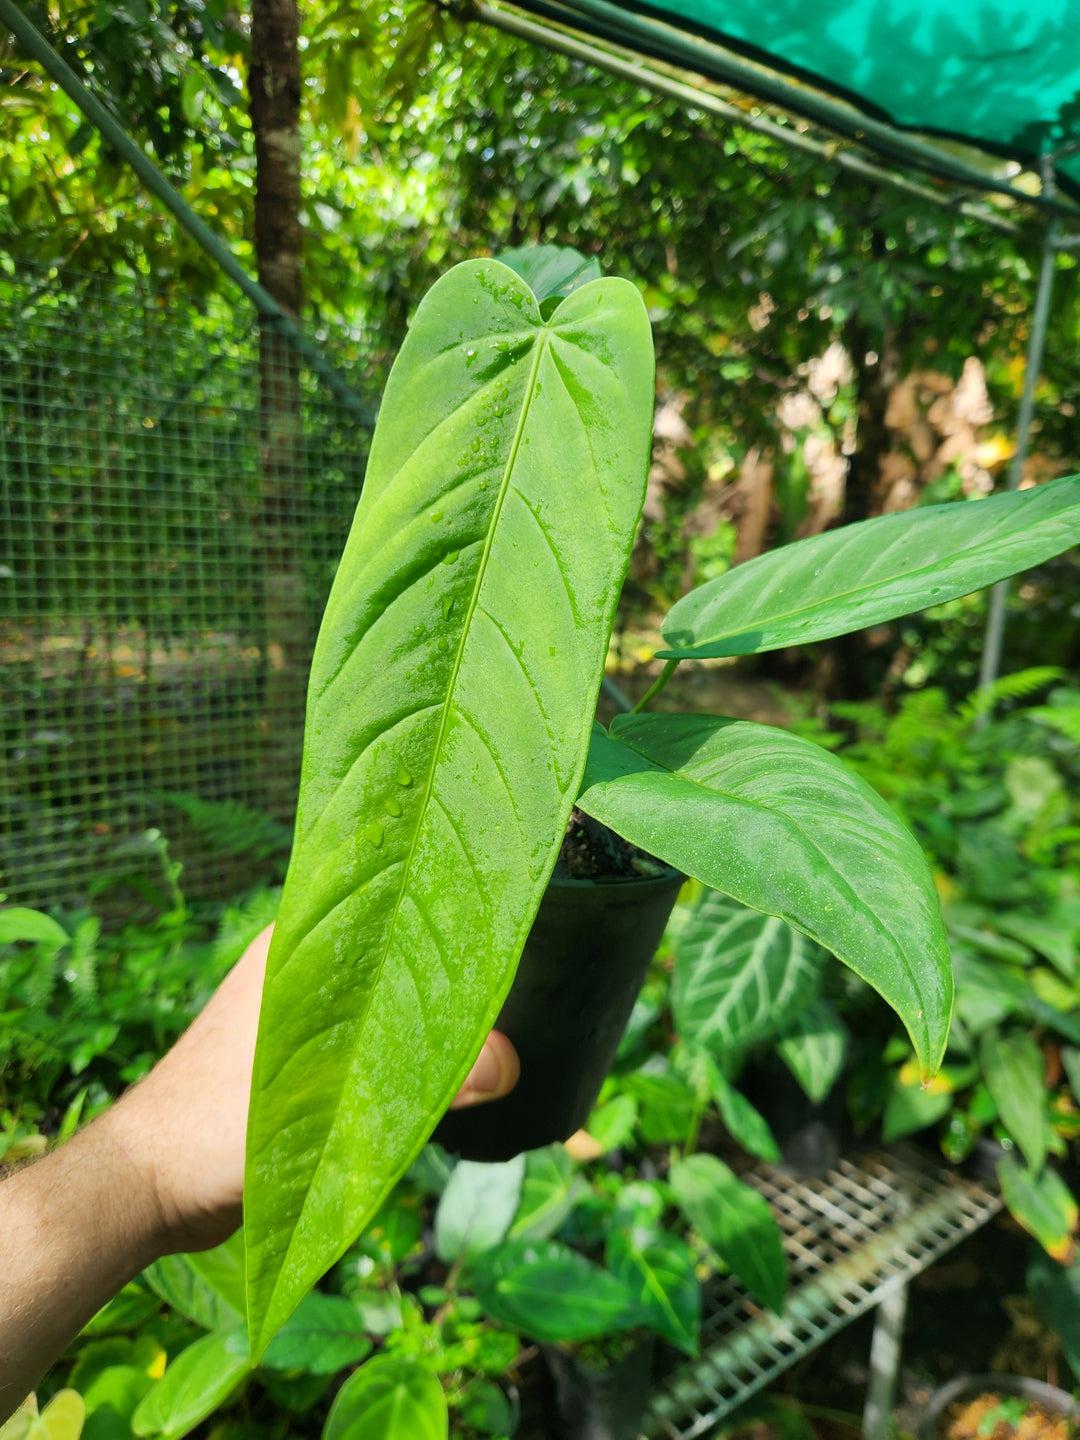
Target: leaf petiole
column 657, row 685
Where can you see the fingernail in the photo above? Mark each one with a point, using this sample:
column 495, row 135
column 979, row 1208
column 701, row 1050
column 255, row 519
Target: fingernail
column 485, row 1077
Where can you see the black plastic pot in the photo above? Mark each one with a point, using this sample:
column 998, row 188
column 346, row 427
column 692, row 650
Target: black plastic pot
column 811, row 1137
column 581, row 970
column 1053, row 1400
column 590, row 1403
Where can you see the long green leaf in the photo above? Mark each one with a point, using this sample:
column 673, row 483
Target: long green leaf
column 551, row 1293
column 1015, row 1074
column 736, row 1221
column 743, row 1123
column 207, row 1287
column 739, row 975
column 194, row 1385
column 18, row 923
column 784, row 827
column 659, row 1270
column 864, row 574
column 1042, row 1204
column 390, row 1398
column 1055, row 1289
column 451, row 692
column 909, row 1108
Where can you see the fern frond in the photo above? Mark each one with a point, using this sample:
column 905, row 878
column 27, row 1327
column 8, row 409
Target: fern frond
column 241, row 922
column 228, row 827
column 81, row 967
column 1065, row 719
column 1017, row 686
column 39, row 980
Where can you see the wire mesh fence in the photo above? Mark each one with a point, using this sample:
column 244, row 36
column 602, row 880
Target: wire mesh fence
column 175, row 489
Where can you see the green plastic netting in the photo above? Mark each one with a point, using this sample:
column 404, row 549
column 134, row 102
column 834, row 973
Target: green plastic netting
column 1000, row 75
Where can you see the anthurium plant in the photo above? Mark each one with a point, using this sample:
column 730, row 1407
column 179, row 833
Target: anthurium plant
column 450, row 731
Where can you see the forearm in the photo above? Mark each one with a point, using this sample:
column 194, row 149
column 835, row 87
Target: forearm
column 74, row 1228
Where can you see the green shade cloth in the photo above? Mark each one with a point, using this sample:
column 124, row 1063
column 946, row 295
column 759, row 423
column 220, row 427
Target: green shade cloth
column 1000, row 75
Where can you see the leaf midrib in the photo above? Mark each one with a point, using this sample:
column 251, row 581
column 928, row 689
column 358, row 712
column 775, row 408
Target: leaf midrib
column 489, row 540
column 824, row 605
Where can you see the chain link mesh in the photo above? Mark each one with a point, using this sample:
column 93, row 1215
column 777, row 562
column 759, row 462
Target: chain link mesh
column 175, row 490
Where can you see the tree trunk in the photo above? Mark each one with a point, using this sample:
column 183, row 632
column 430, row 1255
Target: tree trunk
column 274, row 107
column 873, row 359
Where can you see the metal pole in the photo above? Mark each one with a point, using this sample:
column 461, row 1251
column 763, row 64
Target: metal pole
column 696, row 97
column 59, row 71
column 994, row 636
column 886, row 1349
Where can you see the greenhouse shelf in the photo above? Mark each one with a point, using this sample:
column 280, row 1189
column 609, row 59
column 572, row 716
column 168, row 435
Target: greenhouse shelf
column 853, row 1240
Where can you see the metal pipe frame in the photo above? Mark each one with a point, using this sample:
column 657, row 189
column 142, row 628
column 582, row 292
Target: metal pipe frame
column 994, row 634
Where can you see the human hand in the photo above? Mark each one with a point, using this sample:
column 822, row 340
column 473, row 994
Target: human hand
column 184, row 1125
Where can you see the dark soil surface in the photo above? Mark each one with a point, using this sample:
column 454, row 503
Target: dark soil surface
column 590, row 851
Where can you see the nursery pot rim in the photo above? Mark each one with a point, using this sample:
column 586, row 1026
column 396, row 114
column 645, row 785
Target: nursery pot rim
column 612, row 882
column 1052, row 1397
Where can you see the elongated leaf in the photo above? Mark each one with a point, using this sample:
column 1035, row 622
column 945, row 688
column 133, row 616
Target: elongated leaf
column 18, row 923
column 743, row 1123
column 739, row 975
column 813, row 1048
column 551, row 269
column 323, row 1334
column 207, row 1287
column 613, row 1123
column 659, row 1270
column 550, row 1292
column 781, row 825
column 547, row 1193
column 1055, row 1288
column 451, row 692
column 1043, row 1205
column 911, row 1108
column 1013, row 1068
column 389, row 1398
column 666, row 1103
column 194, row 1385
column 736, row 1221
column 986, row 993
column 477, row 1207
column 863, row 574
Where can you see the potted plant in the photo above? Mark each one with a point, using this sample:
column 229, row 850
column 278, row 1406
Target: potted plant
column 998, row 1407
column 450, row 733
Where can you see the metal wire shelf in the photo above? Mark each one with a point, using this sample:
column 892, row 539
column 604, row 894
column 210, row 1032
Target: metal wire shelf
column 852, row 1240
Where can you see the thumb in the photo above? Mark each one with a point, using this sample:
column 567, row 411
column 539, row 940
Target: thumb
column 494, row 1074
